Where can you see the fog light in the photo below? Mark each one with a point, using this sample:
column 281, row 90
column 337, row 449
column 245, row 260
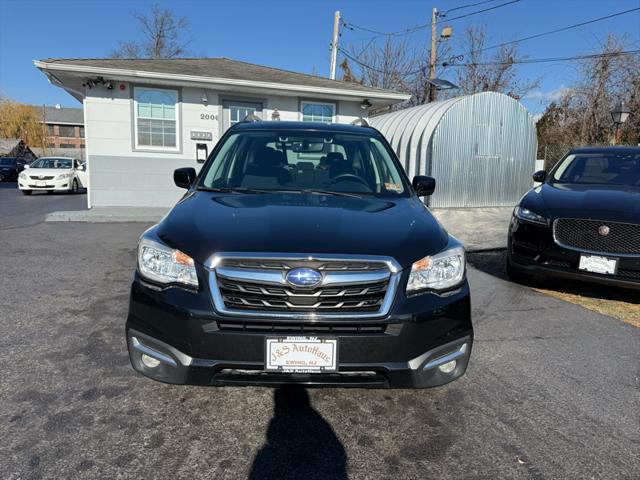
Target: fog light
column 446, row 367
column 151, row 362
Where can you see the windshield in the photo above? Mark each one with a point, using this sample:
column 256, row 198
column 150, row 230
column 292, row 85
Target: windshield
column 329, row 162
column 608, row 168
column 52, row 163
column 7, row 161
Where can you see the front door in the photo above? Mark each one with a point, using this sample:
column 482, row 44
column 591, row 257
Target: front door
column 235, row 112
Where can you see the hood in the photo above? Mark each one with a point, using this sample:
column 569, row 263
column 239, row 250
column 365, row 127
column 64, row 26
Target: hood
column 612, row 203
column 204, row 223
column 47, row 171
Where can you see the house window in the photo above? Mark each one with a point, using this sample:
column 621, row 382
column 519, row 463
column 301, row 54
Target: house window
column 156, row 118
column 67, row 131
column 68, row 145
column 317, row 112
column 81, row 130
column 51, row 130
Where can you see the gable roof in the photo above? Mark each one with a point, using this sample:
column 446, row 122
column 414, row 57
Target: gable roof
column 224, row 70
column 64, row 115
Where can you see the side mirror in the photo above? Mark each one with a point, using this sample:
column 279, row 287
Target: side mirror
column 539, row 176
column 184, row 177
column 26, row 166
column 423, row 185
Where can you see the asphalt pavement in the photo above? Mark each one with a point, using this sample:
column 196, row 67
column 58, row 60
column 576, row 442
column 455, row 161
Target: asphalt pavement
column 551, row 391
column 18, row 210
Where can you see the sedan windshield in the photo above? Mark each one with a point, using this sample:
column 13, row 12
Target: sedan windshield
column 606, row 168
column 52, row 163
column 298, row 161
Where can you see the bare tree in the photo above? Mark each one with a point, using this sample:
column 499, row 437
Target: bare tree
column 163, row 34
column 490, row 73
column 583, row 116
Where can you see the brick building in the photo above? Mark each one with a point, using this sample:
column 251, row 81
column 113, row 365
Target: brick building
column 66, row 128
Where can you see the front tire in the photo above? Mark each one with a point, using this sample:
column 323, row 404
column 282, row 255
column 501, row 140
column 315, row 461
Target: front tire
column 26, row 192
column 517, row 275
column 75, row 188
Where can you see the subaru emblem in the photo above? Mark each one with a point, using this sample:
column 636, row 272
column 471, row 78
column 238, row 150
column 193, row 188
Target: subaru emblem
column 603, row 230
column 303, row 277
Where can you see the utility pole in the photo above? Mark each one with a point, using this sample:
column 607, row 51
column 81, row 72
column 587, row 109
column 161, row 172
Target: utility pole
column 432, row 57
column 334, row 44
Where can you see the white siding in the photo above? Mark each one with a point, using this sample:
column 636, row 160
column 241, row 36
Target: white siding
column 120, row 175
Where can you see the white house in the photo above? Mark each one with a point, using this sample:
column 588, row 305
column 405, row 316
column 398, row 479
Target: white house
column 145, row 118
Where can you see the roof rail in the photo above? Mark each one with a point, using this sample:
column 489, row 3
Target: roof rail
column 251, row 118
column 361, row 122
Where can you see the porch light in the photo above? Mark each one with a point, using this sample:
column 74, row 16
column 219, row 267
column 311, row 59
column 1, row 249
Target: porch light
column 205, row 99
column 275, row 115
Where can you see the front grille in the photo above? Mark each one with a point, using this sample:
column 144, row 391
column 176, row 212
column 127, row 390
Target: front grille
column 41, row 186
column 37, row 177
column 246, row 295
column 580, row 234
column 258, row 286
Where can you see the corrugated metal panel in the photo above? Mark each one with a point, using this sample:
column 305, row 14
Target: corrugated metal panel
column 480, row 148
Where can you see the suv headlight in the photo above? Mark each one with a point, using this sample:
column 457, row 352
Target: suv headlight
column 165, row 265
column 62, row 176
column 529, row 216
column 437, row 272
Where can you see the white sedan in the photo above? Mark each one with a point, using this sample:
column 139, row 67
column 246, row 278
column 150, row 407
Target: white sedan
column 53, row 174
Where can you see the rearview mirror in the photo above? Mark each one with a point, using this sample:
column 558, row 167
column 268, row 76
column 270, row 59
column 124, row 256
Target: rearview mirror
column 184, row 177
column 423, row 185
column 539, row 176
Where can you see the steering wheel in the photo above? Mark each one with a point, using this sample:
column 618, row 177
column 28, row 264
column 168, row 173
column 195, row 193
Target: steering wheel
column 349, row 176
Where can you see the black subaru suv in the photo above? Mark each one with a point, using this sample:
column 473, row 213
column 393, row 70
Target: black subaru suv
column 300, row 254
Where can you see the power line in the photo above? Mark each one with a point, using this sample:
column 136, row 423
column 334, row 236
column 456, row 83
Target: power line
column 549, row 60
column 407, row 31
column 466, row 6
column 482, row 11
column 562, row 29
column 352, row 57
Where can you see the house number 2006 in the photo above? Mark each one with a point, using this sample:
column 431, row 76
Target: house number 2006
column 208, row 116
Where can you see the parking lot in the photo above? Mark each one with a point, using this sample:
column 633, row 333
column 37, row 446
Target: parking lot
column 551, row 390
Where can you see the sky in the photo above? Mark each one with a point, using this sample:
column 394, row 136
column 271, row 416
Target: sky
column 295, row 34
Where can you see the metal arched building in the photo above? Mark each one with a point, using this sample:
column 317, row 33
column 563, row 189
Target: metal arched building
column 480, row 148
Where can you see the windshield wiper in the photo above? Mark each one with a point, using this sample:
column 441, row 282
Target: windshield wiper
column 234, row 190
column 314, row 191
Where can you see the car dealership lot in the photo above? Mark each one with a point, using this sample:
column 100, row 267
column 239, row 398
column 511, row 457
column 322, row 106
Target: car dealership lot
column 551, row 390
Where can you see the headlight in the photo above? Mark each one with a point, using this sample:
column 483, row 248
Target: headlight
column 437, row 272
column 62, row 176
column 165, row 265
column 529, row 216
column 22, row 175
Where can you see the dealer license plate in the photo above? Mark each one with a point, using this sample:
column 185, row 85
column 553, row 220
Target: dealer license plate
column 301, row 354
column 40, row 183
column 598, row 264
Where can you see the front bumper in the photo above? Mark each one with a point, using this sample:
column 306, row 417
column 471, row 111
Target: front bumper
column 30, row 184
column 181, row 330
column 532, row 250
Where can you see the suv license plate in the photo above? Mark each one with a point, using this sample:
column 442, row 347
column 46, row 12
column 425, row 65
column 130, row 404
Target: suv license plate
column 598, row 264
column 301, row 354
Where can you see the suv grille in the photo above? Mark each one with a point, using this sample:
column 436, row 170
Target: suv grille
column 257, row 286
column 622, row 238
